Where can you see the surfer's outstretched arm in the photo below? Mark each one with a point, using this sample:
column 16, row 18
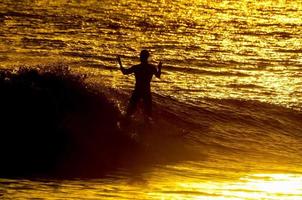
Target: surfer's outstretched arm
column 124, row 70
column 158, row 71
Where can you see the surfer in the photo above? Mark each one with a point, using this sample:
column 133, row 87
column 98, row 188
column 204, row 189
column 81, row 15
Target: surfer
column 143, row 73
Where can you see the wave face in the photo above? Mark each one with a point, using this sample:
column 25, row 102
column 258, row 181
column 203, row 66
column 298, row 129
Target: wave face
column 237, row 130
column 52, row 123
column 63, row 123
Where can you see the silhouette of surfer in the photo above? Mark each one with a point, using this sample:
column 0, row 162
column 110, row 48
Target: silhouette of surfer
column 143, row 73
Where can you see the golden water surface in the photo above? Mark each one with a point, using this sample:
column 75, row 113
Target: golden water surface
column 220, row 49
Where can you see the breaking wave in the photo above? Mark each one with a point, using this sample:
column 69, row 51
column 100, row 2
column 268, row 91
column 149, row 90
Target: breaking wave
column 54, row 123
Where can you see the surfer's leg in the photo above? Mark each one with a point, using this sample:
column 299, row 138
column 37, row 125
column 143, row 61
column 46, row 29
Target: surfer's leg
column 132, row 104
column 147, row 106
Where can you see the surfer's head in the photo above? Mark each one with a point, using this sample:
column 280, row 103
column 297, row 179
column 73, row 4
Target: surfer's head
column 144, row 55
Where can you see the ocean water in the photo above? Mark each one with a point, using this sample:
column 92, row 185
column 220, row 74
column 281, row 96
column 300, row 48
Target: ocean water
column 231, row 90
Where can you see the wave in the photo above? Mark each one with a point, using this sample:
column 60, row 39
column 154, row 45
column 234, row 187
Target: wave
column 252, row 128
column 50, row 122
column 54, row 124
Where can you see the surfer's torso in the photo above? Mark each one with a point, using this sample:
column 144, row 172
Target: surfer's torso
column 143, row 75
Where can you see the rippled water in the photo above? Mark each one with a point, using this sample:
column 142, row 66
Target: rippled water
column 228, row 49
column 250, row 50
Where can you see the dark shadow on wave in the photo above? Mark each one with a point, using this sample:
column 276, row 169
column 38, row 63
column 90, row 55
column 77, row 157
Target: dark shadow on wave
column 53, row 124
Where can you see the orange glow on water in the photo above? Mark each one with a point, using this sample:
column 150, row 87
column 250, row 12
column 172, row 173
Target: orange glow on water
column 253, row 186
column 218, row 49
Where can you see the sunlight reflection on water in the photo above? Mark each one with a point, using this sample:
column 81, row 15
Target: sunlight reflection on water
column 228, row 49
column 217, row 44
column 250, row 186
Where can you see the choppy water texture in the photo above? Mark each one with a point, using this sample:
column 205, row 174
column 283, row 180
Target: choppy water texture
column 232, row 71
